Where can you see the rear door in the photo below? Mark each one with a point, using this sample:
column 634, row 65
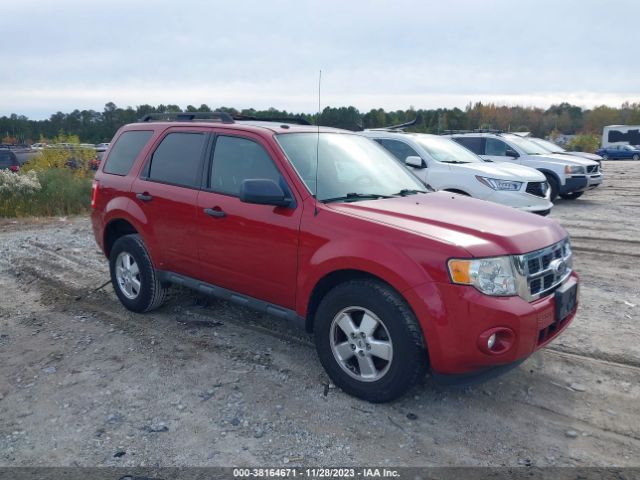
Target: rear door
column 167, row 192
column 247, row 248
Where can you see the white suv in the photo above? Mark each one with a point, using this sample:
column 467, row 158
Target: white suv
column 568, row 176
column 445, row 165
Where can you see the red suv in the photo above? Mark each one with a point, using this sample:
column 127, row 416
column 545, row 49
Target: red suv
column 324, row 228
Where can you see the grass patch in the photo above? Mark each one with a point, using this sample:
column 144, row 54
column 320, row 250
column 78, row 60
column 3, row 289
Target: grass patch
column 52, row 192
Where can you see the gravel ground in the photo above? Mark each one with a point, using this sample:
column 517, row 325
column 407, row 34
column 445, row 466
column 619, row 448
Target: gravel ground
column 201, row 382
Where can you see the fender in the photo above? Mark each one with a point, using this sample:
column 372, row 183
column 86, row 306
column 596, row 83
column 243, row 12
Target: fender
column 124, row 208
column 365, row 255
column 561, row 181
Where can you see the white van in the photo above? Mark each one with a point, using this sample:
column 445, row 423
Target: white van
column 620, row 135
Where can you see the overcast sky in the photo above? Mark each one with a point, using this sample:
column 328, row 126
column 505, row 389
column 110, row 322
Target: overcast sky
column 66, row 54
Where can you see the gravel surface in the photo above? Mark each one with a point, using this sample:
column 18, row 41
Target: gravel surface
column 200, row 382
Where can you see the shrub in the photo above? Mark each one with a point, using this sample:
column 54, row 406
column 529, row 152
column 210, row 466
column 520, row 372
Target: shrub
column 586, row 142
column 57, row 191
column 65, row 154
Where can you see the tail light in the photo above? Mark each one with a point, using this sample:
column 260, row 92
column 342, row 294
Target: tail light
column 14, row 168
column 94, row 193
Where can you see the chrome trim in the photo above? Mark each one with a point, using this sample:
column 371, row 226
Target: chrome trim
column 524, row 277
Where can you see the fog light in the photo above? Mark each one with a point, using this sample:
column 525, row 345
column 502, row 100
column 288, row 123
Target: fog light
column 496, row 341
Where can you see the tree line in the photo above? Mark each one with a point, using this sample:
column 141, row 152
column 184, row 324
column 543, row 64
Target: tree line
column 94, row 127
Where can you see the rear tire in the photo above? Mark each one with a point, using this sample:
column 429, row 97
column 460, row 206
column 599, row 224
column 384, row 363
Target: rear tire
column 636, row 157
column 369, row 341
column 571, row 196
column 133, row 277
column 553, row 186
column 605, row 156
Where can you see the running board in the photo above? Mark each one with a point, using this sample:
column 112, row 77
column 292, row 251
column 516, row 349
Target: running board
column 231, row 296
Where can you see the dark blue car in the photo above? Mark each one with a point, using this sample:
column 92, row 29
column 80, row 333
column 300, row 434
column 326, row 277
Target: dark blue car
column 618, row 152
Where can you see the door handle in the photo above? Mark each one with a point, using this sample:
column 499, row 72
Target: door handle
column 214, row 212
column 145, row 197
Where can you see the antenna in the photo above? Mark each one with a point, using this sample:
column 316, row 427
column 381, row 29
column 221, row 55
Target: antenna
column 315, row 205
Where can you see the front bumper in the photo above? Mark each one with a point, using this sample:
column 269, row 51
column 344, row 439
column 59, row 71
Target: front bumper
column 454, row 317
column 581, row 183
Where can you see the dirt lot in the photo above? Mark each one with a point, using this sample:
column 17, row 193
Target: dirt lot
column 84, row 382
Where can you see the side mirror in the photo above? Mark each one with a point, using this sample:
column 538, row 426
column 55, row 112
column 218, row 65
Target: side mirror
column 415, row 162
column 511, row 153
column 263, row 192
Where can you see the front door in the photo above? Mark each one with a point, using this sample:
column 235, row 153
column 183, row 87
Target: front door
column 251, row 249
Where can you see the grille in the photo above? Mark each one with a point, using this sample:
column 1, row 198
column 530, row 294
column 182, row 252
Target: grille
column 546, row 269
column 539, row 189
column 592, row 169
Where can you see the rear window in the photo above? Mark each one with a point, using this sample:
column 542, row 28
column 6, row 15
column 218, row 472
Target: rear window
column 6, row 159
column 125, row 151
column 178, row 159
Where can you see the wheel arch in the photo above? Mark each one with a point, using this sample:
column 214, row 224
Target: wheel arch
column 456, row 190
column 116, row 228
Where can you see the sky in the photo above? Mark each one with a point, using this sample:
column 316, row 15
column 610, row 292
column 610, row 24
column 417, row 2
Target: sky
column 70, row 54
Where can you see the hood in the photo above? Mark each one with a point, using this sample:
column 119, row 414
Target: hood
column 566, row 159
column 503, row 171
column 588, row 156
column 483, row 229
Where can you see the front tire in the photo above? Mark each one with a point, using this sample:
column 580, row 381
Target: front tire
column 133, row 277
column 553, row 186
column 636, row 157
column 369, row 341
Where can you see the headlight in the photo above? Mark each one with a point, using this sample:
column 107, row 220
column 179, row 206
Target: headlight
column 491, row 276
column 497, row 184
column 574, row 169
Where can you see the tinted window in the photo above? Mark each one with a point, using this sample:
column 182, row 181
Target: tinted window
column 236, row 159
column 399, row 149
column 472, row 143
column 495, row 147
column 177, row 159
column 7, row 159
column 125, row 151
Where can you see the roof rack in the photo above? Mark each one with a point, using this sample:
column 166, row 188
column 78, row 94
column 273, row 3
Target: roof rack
column 221, row 117
column 399, row 127
column 475, row 130
column 294, row 120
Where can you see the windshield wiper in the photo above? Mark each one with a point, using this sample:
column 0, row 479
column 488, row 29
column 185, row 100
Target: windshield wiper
column 453, row 161
column 354, row 197
column 406, row 191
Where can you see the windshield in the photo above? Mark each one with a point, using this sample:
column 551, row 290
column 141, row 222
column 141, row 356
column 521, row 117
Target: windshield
column 546, row 144
column 350, row 165
column 527, row 146
column 446, row 150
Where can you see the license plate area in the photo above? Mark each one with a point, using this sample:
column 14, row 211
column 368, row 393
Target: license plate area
column 566, row 297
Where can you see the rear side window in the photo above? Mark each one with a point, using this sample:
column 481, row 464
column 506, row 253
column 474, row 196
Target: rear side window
column 178, row 159
column 125, row 151
column 471, row 143
column 399, row 149
column 236, row 159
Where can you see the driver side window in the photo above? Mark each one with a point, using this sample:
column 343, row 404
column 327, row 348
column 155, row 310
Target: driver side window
column 399, row 150
column 495, row 147
column 236, row 159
